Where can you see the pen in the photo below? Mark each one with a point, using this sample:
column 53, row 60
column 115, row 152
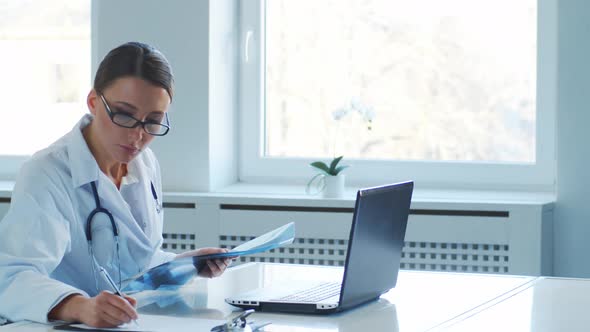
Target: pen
column 114, row 286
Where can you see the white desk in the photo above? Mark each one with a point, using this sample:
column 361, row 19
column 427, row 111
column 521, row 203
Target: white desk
column 421, row 300
column 548, row 304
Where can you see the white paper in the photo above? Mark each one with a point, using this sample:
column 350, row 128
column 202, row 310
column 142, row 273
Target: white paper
column 275, row 238
column 162, row 324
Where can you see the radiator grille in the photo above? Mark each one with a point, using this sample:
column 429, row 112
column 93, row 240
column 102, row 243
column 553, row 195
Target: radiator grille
column 456, row 257
column 428, row 256
column 178, row 242
column 302, row 251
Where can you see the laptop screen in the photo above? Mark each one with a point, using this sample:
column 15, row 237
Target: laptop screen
column 376, row 242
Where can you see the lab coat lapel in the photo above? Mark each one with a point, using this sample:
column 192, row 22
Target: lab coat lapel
column 82, row 163
column 137, row 193
column 135, row 248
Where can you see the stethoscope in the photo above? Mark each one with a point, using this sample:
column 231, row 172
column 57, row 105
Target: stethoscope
column 100, row 209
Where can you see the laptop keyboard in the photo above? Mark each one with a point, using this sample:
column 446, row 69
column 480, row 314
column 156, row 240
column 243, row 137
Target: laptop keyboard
column 314, row 294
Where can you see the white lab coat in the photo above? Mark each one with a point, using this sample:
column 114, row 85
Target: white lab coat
column 44, row 254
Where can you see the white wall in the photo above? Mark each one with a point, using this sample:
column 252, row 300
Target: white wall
column 199, row 153
column 572, row 212
column 203, row 52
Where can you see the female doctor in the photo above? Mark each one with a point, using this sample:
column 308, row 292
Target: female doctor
column 92, row 201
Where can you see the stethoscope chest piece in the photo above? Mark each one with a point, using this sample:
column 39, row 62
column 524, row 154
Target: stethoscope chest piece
column 239, row 324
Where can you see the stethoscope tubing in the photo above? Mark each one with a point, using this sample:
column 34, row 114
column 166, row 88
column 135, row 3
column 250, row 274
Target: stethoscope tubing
column 100, row 209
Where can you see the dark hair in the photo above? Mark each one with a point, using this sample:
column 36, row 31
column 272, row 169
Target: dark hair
column 136, row 60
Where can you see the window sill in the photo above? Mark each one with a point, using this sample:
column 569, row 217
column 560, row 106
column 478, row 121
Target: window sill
column 6, row 188
column 296, row 195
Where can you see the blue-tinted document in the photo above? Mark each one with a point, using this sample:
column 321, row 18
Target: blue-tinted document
column 173, row 274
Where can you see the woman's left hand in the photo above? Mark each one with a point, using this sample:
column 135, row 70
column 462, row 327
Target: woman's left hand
column 213, row 267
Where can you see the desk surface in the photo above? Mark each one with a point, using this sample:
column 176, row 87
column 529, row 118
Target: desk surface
column 420, row 301
column 549, row 304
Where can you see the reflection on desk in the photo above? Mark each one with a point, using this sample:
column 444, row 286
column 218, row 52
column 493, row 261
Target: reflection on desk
column 421, row 300
column 548, row 305
column 191, row 300
column 380, row 316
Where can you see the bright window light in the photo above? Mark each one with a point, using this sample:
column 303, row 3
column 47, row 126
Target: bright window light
column 45, row 47
column 427, row 80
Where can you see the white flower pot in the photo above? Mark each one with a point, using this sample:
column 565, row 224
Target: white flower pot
column 334, row 186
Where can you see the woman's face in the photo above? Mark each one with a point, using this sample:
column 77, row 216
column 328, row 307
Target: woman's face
column 135, row 97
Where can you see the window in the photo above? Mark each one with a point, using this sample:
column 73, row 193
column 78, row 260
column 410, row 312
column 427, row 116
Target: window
column 45, row 47
column 455, row 92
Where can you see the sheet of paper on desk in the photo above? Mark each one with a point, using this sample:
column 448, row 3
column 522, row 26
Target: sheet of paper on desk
column 174, row 274
column 158, row 323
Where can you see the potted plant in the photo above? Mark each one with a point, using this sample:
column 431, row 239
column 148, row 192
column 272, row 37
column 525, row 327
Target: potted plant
column 331, row 180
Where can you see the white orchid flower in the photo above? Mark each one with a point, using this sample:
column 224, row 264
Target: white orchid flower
column 356, row 104
column 340, row 113
column 369, row 114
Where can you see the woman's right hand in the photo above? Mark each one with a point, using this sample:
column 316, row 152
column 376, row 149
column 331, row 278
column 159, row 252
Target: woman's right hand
column 104, row 310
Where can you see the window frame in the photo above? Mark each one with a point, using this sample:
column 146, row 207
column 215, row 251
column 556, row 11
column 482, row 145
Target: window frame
column 254, row 167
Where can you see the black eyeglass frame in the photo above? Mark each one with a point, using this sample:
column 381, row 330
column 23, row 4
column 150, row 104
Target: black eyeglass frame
column 137, row 122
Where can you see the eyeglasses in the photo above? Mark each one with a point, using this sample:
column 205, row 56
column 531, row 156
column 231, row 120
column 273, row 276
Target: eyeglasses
column 125, row 120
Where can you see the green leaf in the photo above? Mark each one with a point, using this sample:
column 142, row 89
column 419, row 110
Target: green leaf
column 333, row 165
column 321, row 166
column 339, row 169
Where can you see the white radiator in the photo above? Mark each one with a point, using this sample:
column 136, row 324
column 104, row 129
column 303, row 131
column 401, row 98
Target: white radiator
column 510, row 236
column 507, row 239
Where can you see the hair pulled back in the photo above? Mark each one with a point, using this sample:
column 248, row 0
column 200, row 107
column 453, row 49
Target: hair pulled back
column 135, row 59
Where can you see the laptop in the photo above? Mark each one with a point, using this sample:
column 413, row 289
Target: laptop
column 372, row 259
